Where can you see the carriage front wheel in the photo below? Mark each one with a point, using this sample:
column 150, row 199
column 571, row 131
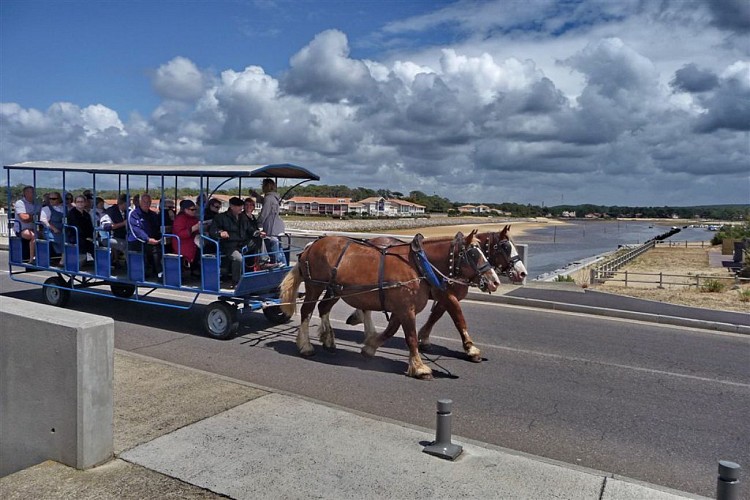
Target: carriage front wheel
column 275, row 315
column 124, row 291
column 220, row 320
column 55, row 293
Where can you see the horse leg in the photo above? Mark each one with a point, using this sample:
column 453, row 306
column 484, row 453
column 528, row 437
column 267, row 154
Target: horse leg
column 325, row 332
column 454, row 309
column 373, row 341
column 417, row 368
column 356, row 317
column 437, row 311
column 370, row 330
column 312, row 293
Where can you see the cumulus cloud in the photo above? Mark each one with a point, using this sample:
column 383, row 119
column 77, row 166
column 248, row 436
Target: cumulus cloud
column 464, row 123
column 179, row 79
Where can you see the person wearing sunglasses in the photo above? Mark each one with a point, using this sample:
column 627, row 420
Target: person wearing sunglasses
column 186, row 227
column 52, row 220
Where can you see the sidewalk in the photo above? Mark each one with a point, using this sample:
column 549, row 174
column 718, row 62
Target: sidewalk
column 246, row 442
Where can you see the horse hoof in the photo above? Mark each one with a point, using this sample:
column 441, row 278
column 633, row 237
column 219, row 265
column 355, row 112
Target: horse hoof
column 425, row 347
column 329, row 348
column 475, row 359
column 307, row 352
column 369, row 353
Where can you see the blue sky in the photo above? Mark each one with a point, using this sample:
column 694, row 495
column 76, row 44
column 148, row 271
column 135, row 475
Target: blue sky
column 597, row 101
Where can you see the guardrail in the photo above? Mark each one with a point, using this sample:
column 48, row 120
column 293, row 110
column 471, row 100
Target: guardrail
column 684, row 244
column 663, row 280
column 607, row 269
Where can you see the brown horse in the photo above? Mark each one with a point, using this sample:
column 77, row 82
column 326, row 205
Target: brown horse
column 502, row 255
column 374, row 278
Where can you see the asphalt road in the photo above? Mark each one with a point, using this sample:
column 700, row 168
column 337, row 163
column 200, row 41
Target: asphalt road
column 655, row 403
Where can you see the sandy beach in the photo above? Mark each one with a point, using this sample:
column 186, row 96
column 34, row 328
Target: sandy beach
column 429, row 227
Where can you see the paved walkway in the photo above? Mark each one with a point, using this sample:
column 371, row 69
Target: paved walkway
column 183, row 433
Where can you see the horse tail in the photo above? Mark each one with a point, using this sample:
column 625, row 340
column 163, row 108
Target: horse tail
column 289, row 288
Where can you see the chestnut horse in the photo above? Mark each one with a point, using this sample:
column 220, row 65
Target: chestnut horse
column 373, row 278
column 501, row 254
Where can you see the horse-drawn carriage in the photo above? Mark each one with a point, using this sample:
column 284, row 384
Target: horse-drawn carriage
column 74, row 273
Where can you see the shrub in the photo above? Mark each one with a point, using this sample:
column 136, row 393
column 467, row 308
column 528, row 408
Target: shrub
column 744, row 294
column 564, row 278
column 713, row 286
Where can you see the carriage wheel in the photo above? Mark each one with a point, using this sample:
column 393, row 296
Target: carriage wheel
column 56, row 296
column 275, row 315
column 122, row 291
column 220, row 320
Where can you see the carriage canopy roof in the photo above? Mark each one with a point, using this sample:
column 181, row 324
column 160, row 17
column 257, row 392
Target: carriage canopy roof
column 278, row 170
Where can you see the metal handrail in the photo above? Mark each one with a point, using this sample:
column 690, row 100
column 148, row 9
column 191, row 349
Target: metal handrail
column 606, row 269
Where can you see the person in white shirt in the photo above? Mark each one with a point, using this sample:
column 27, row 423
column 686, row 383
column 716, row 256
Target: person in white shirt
column 25, row 210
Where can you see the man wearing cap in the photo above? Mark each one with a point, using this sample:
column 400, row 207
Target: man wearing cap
column 232, row 232
column 113, row 221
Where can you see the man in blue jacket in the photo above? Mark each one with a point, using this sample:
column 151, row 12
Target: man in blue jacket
column 144, row 233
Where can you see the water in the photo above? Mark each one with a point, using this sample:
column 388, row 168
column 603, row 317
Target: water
column 554, row 247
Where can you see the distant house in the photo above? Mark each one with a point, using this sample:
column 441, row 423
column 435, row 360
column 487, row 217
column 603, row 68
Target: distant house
column 569, row 214
column 474, row 209
column 390, row 207
column 315, row 205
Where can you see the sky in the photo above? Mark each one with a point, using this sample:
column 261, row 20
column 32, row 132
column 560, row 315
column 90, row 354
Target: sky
column 611, row 102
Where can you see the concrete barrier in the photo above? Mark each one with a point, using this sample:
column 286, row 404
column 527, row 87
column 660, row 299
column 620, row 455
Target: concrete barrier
column 56, row 383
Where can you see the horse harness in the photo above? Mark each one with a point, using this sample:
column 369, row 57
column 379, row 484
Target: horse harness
column 458, row 253
column 495, row 244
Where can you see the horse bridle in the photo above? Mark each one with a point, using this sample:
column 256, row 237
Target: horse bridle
column 494, row 245
column 470, row 254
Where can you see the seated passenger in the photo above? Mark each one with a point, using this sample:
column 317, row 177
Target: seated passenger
column 26, row 210
column 113, row 222
column 186, row 227
column 80, row 219
column 52, row 220
column 144, row 234
column 231, row 229
column 255, row 243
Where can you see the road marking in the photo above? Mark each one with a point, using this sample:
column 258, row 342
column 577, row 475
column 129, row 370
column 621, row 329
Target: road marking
column 576, row 359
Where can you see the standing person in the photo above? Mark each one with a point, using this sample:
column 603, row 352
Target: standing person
column 143, row 233
column 114, row 221
column 255, row 243
column 230, row 228
column 186, row 226
column 52, row 219
column 26, row 210
column 81, row 220
column 270, row 220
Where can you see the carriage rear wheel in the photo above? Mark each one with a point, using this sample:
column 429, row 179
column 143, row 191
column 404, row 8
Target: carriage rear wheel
column 122, row 291
column 275, row 315
column 220, row 320
column 55, row 293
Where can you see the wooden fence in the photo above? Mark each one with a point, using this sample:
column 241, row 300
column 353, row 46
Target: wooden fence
column 605, row 270
column 683, row 244
column 664, row 280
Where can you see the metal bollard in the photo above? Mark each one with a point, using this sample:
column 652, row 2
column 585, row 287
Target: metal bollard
column 728, row 482
column 442, row 446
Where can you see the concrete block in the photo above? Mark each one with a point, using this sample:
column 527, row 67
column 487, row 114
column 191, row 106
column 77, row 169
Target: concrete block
column 56, row 384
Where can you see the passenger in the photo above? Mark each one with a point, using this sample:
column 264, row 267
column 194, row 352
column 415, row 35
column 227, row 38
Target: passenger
column 212, row 209
column 270, row 220
column 26, row 211
column 69, row 203
column 80, row 219
column 169, row 216
column 255, row 243
column 89, row 196
column 52, row 220
column 231, row 229
column 186, row 227
column 113, row 222
column 143, row 234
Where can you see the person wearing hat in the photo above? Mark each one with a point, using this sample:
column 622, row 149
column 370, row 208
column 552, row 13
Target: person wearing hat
column 186, row 227
column 232, row 232
column 113, row 222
